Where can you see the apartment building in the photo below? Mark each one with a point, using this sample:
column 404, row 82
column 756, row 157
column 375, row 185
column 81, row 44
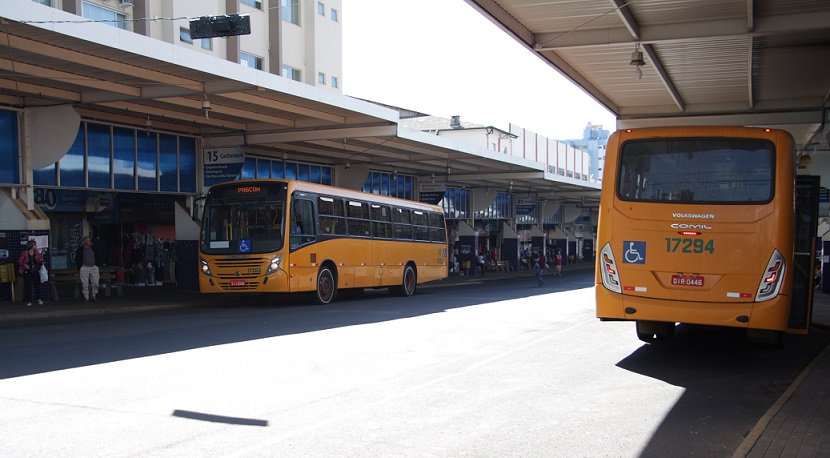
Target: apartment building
column 300, row 40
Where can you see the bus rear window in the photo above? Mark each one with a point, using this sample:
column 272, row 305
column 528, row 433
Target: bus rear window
column 697, row 170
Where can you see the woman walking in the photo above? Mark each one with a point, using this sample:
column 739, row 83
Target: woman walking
column 28, row 266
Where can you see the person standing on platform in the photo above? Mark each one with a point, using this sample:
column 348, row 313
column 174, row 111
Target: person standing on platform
column 540, row 267
column 90, row 276
column 558, row 261
column 28, row 266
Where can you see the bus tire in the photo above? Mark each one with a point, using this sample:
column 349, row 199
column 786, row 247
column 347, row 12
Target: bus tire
column 409, row 282
column 326, row 286
column 655, row 332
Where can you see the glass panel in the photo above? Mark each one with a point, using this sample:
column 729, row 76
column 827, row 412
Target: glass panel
column 290, row 171
column 314, row 176
column 147, row 162
column 697, row 170
column 98, row 155
column 72, row 164
column 303, row 172
column 326, row 175
column 263, row 168
column 384, row 184
column 277, row 169
column 47, row 176
column 123, row 163
column 168, row 166
column 187, row 164
column 248, row 169
column 9, row 150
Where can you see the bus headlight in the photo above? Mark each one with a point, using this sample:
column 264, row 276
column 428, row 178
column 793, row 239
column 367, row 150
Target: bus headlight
column 773, row 277
column 608, row 269
column 204, row 266
column 274, row 265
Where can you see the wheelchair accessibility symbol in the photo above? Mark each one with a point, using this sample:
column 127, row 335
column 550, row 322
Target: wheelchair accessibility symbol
column 244, row 246
column 634, row 252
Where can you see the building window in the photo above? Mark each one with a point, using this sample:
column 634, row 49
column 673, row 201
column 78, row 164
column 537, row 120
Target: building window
column 252, row 3
column 321, row 8
column 321, row 78
column 290, row 11
column 334, row 82
column 250, row 60
column 207, row 43
column 44, row 2
column 290, row 73
column 109, row 17
column 334, row 15
column 184, row 36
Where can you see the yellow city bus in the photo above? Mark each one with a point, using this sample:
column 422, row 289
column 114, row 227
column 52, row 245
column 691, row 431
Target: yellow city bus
column 292, row 236
column 696, row 226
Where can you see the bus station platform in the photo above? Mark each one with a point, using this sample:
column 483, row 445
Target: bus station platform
column 798, row 423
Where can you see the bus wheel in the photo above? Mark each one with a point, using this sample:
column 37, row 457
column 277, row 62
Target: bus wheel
column 326, row 289
column 655, row 331
column 409, row 283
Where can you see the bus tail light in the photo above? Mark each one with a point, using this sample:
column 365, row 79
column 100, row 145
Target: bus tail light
column 204, row 266
column 274, row 265
column 773, row 277
column 608, row 269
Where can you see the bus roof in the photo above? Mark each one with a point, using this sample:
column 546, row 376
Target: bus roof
column 305, row 186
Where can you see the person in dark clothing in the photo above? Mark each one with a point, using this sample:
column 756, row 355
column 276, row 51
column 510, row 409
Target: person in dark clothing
column 28, row 266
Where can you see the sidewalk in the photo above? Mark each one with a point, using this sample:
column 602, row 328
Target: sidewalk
column 798, row 424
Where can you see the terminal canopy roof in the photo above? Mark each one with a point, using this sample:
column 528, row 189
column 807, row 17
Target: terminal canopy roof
column 762, row 63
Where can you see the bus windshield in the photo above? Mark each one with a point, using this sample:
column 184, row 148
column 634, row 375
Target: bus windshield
column 697, row 170
column 243, row 227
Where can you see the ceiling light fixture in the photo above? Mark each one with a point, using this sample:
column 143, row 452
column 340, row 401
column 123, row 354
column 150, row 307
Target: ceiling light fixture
column 206, row 106
column 637, row 61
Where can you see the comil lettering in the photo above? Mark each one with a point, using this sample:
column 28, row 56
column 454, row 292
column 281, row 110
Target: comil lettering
column 690, row 226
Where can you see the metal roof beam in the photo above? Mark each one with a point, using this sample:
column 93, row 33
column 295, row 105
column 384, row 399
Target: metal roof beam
column 621, row 7
column 686, row 31
column 301, row 135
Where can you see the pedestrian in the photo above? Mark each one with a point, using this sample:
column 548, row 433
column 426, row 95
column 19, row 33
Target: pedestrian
column 28, row 266
column 558, row 261
column 85, row 259
column 482, row 263
column 540, row 267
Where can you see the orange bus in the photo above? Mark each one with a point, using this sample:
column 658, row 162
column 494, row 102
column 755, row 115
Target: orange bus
column 292, row 236
column 696, row 226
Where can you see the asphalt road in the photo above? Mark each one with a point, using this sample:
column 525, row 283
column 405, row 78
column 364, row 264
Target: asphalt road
column 491, row 369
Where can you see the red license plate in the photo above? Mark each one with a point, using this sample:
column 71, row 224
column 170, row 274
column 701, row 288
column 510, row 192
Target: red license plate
column 687, row 280
column 237, row 282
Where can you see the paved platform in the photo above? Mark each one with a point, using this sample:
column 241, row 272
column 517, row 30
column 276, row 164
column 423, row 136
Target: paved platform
column 798, row 424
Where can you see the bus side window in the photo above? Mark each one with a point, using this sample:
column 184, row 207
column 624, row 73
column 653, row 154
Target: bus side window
column 302, row 223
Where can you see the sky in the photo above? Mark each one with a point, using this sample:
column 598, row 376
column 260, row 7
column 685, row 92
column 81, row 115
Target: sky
column 443, row 58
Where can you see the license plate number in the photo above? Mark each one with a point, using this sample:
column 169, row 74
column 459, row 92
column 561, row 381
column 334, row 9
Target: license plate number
column 237, row 282
column 687, row 280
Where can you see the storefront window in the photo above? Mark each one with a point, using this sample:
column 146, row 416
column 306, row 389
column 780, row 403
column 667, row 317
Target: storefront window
column 72, row 164
column 147, row 160
column 123, row 163
column 98, row 155
column 168, row 173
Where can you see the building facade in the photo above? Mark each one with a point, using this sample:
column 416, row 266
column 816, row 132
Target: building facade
column 301, row 41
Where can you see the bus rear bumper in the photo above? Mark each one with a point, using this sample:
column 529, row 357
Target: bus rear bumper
column 771, row 315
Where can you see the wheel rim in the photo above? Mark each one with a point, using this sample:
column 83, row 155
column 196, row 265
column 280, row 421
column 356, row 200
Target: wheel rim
column 325, row 286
